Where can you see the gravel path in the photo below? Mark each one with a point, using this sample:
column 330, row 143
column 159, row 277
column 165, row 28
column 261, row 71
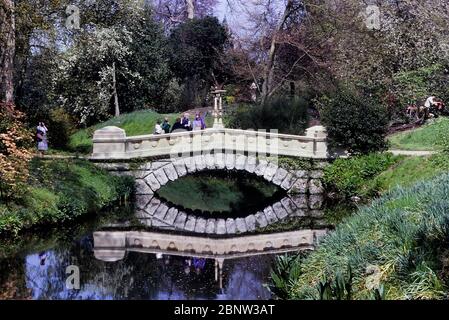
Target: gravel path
column 415, row 153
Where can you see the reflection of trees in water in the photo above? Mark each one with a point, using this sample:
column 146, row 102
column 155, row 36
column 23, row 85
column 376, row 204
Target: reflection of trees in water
column 245, row 278
column 137, row 276
column 180, row 284
column 48, row 280
column 63, row 242
column 12, row 284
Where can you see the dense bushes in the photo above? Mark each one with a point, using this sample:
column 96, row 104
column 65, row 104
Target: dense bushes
column 288, row 115
column 62, row 190
column 350, row 177
column 354, row 123
column 61, row 126
column 398, row 245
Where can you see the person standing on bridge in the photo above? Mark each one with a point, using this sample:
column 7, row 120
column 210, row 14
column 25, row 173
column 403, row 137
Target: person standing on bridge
column 186, row 123
column 177, row 126
column 198, row 123
column 166, row 125
column 158, row 128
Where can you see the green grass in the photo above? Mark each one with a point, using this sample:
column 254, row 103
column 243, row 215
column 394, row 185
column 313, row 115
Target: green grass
column 135, row 123
column 427, row 137
column 353, row 176
column 228, row 193
column 410, row 170
column 404, row 234
column 61, row 190
column 371, row 175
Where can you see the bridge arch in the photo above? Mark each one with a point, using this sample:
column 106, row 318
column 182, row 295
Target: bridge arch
column 304, row 193
column 151, row 176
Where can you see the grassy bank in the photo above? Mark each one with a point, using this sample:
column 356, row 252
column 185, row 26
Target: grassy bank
column 403, row 235
column 428, row 137
column 371, row 175
column 135, row 123
column 59, row 191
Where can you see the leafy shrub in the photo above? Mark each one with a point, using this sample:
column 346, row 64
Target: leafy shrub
column 348, row 177
column 41, row 205
column 61, row 126
column 15, row 141
column 124, row 186
column 10, row 222
column 356, row 124
column 288, row 115
column 172, row 99
column 285, row 270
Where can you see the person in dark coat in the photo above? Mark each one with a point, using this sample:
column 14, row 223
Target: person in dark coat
column 177, row 126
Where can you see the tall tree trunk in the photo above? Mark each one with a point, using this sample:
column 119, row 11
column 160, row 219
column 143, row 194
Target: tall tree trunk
column 114, row 87
column 190, row 9
column 7, row 50
column 269, row 66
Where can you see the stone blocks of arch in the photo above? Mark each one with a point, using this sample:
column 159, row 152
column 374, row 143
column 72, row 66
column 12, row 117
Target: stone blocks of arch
column 304, row 188
column 151, row 176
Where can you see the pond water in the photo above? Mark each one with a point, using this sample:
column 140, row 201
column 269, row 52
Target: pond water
column 140, row 276
column 37, row 269
column 35, row 265
column 225, row 193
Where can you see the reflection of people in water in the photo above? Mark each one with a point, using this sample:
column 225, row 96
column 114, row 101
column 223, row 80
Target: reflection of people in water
column 42, row 257
column 198, row 264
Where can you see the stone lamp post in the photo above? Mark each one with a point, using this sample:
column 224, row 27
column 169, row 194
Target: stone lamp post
column 218, row 108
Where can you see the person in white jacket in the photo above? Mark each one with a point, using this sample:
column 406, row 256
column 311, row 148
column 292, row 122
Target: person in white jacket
column 158, row 128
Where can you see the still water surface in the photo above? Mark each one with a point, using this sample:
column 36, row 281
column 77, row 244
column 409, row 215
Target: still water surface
column 36, row 269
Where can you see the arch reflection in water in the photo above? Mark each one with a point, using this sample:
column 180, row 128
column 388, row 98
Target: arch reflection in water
column 247, row 258
column 154, row 212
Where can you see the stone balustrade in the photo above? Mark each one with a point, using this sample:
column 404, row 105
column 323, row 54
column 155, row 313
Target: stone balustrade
column 111, row 143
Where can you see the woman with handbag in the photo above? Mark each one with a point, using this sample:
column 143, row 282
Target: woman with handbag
column 41, row 137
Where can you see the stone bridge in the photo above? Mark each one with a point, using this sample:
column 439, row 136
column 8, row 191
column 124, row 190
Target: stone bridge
column 169, row 157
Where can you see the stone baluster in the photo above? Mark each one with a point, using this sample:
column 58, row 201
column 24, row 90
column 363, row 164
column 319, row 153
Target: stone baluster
column 319, row 134
column 109, row 143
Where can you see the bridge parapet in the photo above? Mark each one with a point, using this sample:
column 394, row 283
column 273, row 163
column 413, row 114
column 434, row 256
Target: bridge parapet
column 112, row 143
